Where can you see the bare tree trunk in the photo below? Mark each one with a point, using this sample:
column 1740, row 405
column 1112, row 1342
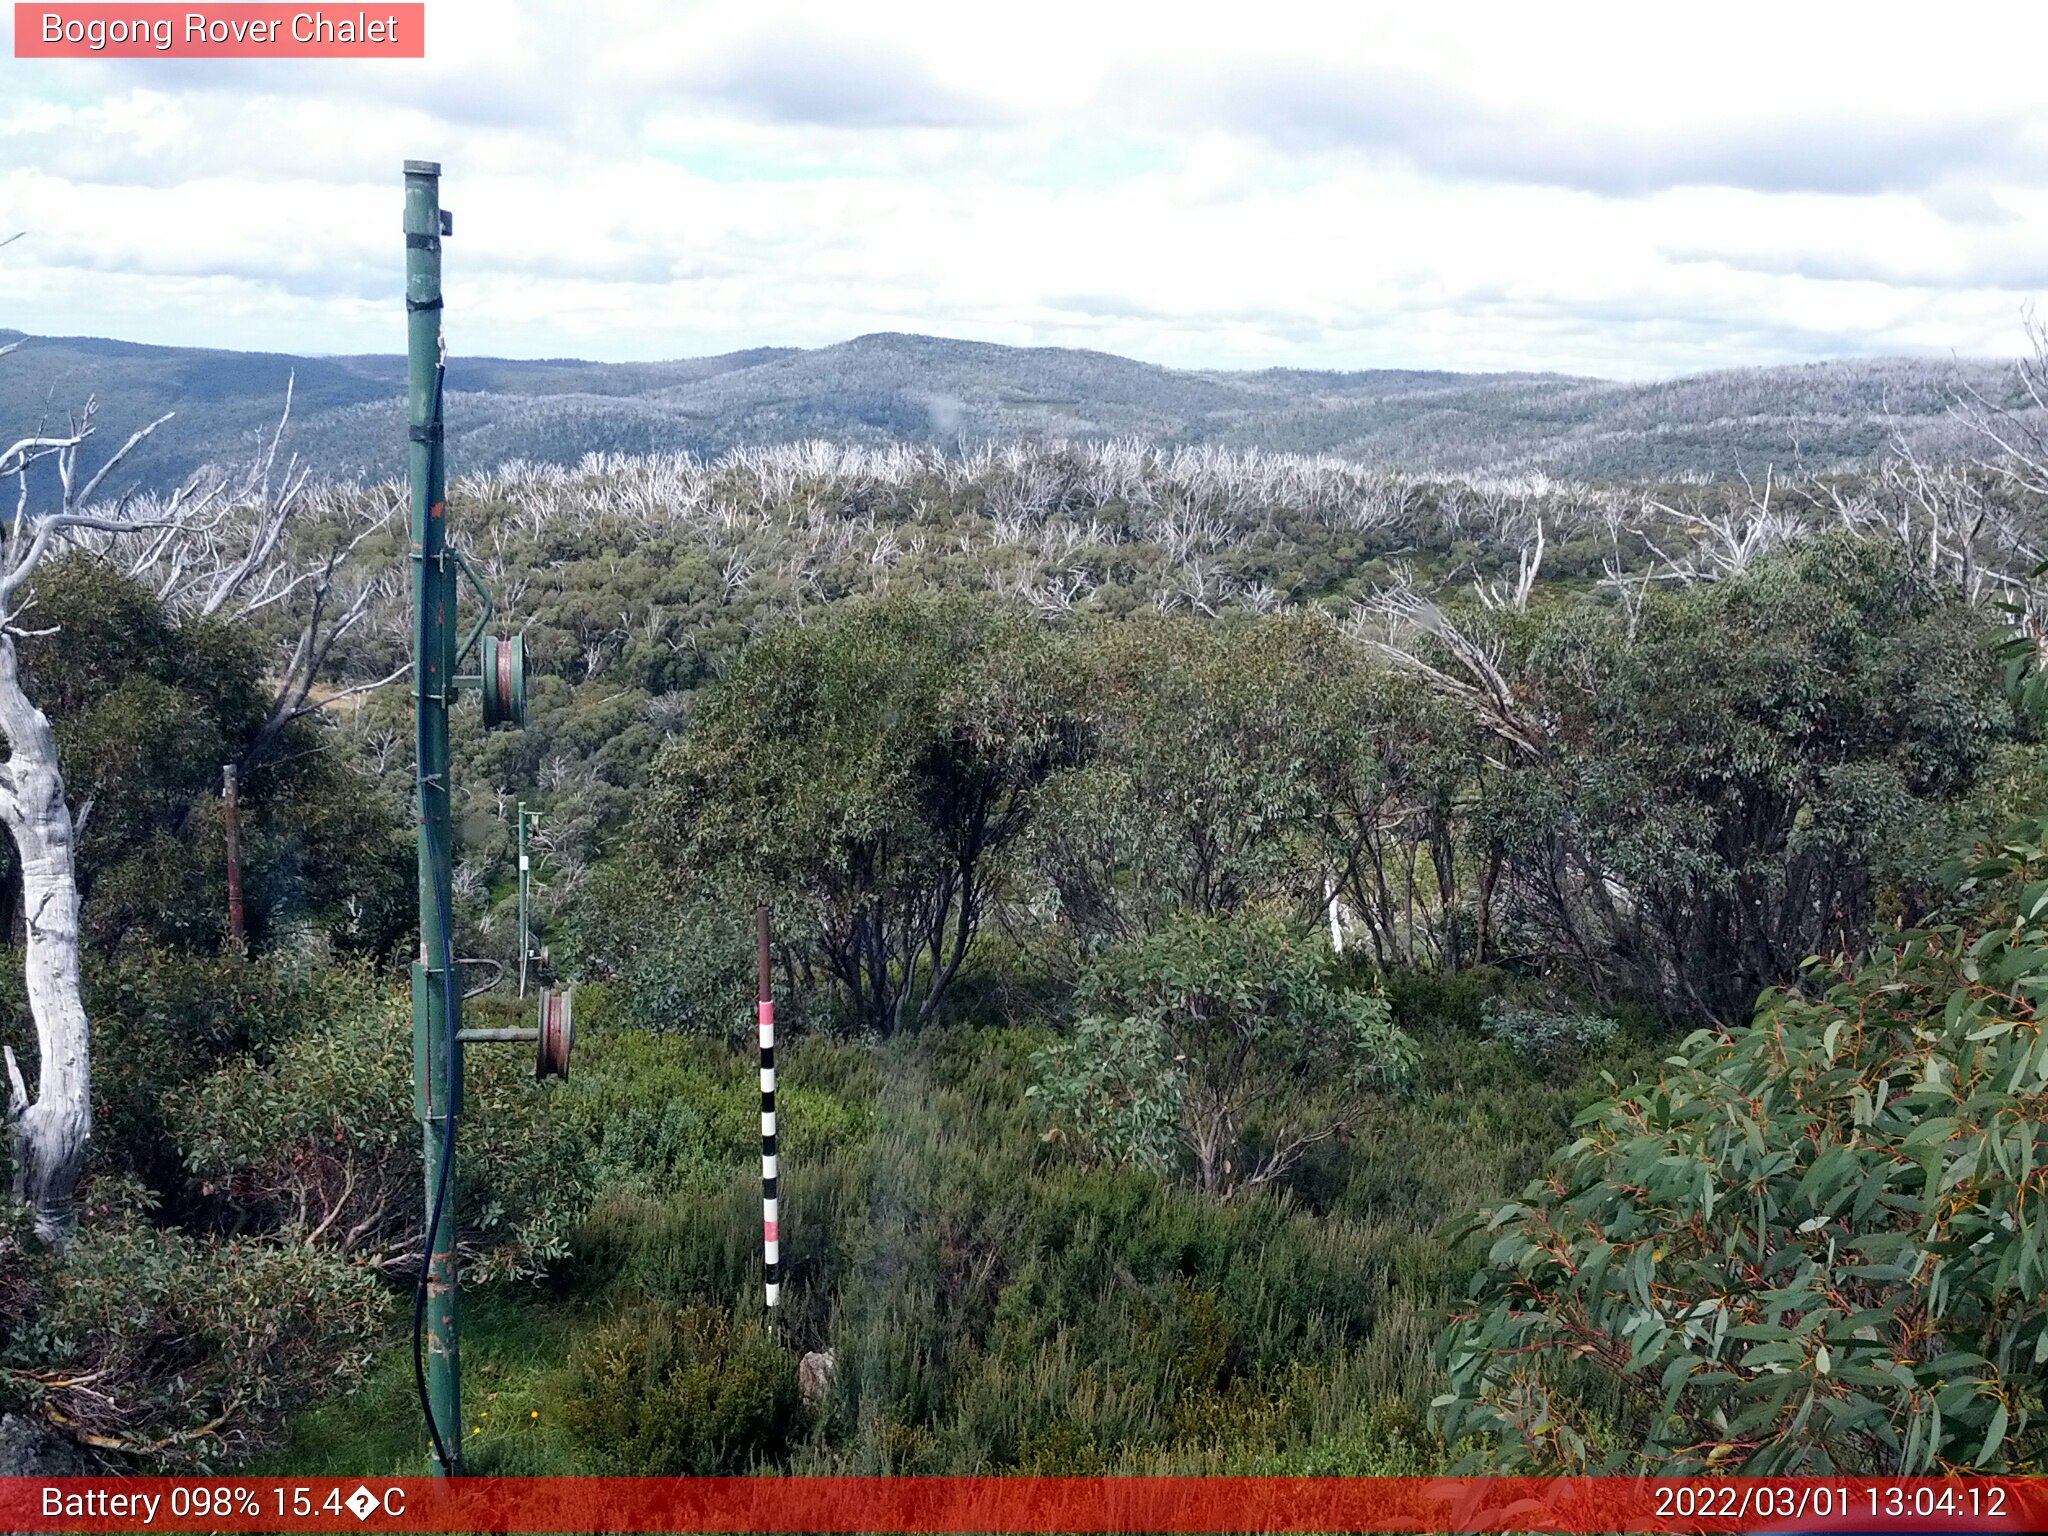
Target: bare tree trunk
column 50, row 1133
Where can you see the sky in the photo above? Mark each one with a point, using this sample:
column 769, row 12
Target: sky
column 1630, row 191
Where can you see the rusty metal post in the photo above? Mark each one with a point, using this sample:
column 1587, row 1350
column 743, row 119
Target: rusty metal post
column 231, row 799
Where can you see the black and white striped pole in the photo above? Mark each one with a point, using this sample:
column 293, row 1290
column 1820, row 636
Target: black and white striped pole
column 771, row 1235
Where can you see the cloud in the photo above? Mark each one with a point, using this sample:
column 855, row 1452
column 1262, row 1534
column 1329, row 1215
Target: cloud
column 838, row 83
column 2021, row 269
column 1440, row 131
column 661, row 178
column 1104, row 306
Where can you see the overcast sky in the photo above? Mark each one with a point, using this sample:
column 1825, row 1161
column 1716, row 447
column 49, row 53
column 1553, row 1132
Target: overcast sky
column 1630, row 191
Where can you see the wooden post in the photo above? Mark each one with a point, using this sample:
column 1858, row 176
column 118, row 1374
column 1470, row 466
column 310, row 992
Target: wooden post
column 231, row 798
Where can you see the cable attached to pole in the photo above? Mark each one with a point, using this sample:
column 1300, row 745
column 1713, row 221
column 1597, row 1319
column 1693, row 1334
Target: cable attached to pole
column 421, row 1287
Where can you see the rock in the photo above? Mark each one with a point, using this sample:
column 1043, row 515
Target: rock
column 29, row 1449
column 814, row 1377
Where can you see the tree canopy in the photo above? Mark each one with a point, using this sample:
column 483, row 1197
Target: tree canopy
column 870, row 775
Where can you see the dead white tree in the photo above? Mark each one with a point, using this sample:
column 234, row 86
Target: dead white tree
column 1630, row 589
column 1410, row 630
column 2015, row 433
column 51, row 1128
column 267, row 544
column 2016, row 430
column 1954, row 523
column 1503, row 596
column 203, row 547
column 1726, row 542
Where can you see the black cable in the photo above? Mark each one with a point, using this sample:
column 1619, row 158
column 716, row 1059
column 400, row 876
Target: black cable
column 446, row 957
column 419, row 1300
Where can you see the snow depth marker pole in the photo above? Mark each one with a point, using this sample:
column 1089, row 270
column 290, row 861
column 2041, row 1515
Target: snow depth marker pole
column 771, row 1235
column 526, row 950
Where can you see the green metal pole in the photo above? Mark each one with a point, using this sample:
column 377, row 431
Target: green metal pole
column 437, row 1055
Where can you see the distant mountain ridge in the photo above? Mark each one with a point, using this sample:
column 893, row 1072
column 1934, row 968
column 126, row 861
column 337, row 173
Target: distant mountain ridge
column 349, row 412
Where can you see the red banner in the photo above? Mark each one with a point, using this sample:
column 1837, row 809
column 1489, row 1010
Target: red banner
column 216, row 31
column 1023, row 1504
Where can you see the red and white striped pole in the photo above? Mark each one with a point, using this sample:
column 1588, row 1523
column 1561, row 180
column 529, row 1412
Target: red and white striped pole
column 771, row 1245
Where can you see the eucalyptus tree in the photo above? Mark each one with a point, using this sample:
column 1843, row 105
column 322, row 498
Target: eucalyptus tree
column 1813, row 1244
column 1685, row 795
column 50, row 1128
column 1203, row 796
column 209, row 547
column 1220, row 1050
column 871, row 774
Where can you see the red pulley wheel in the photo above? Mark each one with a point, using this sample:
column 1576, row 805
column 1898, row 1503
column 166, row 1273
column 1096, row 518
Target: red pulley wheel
column 504, row 680
column 557, row 1032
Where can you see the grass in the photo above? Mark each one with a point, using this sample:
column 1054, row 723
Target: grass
column 512, row 1346
column 993, row 1304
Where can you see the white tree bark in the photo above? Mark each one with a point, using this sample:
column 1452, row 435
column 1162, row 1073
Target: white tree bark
column 52, row 1129
column 50, row 1132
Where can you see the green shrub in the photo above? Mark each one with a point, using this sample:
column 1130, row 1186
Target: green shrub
column 662, row 1115
column 1752, row 760
column 1115, row 1089
column 1434, row 1002
column 1221, row 1047
column 319, row 1140
column 1544, row 1036
column 1811, row 1245
column 666, row 1392
column 1381, row 1438
column 673, row 962
column 182, row 1350
column 161, row 1019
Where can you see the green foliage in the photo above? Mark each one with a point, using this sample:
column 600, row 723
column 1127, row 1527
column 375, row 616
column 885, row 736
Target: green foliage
column 677, row 963
column 1202, row 793
column 146, row 712
column 931, row 789
column 163, row 1019
column 869, row 774
column 2021, row 652
column 1247, row 760
column 514, row 1343
column 1726, row 790
column 1812, row 1244
column 179, row 1349
column 1219, row 1046
column 991, row 1304
column 317, row 1140
column 1115, row 1089
column 1546, row 1036
column 681, row 1392
column 661, row 1116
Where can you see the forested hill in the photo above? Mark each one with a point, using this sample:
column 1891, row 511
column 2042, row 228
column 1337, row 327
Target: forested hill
column 891, row 387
